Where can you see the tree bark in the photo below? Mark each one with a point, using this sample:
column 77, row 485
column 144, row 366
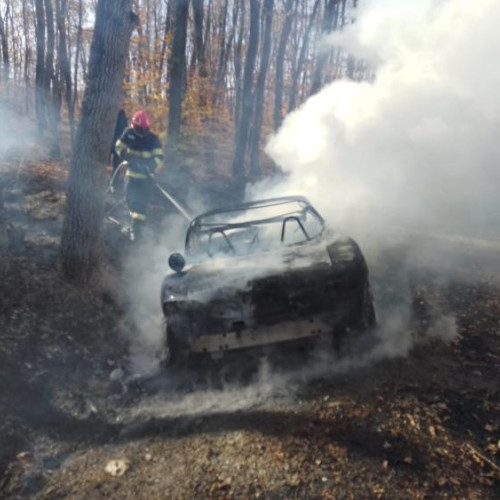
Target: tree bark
column 280, row 62
column 52, row 108
column 27, row 60
column 78, row 44
column 302, row 56
column 80, row 243
column 5, row 51
column 220, row 74
column 267, row 14
column 177, row 71
column 241, row 138
column 238, row 62
column 40, row 67
column 199, row 48
column 64, row 63
column 331, row 8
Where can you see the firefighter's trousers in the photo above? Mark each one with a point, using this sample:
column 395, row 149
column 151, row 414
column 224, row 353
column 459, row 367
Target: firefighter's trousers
column 137, row 194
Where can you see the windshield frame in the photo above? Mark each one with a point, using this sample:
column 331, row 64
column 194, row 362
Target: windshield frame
column 203, row 223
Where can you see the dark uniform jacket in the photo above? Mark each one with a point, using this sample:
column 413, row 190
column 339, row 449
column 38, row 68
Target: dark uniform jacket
column 143, row 153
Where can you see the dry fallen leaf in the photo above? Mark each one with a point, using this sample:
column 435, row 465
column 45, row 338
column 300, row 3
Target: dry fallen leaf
column 117, row 467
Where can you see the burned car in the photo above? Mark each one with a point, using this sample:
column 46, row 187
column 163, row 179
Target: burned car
column 262, row 273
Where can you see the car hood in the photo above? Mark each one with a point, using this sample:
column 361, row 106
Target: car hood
column 218, row 277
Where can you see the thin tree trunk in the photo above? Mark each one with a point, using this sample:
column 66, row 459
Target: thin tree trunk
column 330, row 10
column 40, row 67
column 199, row 49
column 177, row 65
column 27, row 60
column 79, row 34
column 64, row 64
column 238, row 64
column 5, row 51
column 80, row 243
column 280, row 62
column 267, row 14
column 242, row 127
column 168, row 29
column 51, row 106
column 302, row 56
column 222, row 59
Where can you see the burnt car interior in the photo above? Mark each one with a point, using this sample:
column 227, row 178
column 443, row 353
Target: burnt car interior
column 253, row 227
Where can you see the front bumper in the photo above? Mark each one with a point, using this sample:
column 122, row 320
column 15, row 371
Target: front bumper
column 261, row 336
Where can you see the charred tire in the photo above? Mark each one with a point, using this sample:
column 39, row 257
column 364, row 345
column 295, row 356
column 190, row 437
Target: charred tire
column 178, row 352
column 359, row 323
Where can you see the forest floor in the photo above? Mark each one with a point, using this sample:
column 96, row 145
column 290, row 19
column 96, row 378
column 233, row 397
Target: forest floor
column 418, row 421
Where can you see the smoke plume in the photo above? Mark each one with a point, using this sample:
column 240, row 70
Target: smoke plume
column 417, row 148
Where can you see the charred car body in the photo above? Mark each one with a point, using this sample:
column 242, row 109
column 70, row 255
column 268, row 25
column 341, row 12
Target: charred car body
column 262, row 273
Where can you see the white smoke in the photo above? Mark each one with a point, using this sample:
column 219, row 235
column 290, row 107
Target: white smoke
column 416, row 148
column 145, row 268
column 410, row 160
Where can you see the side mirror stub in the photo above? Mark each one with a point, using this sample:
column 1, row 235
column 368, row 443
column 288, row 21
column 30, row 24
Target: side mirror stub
column 177, row 262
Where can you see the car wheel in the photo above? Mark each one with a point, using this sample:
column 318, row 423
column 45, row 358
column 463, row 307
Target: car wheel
column 367, row 318
column 178, row 353
column 359, row 323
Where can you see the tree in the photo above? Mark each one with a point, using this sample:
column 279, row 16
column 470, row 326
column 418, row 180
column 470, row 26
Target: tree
column 71, row 109
column 300, row 62
column 49, row 81
column 63, row 59
column 199, row 47
column 40, row 97
column 329, row 24
column 177, row 71
column 242, row 126
column 267, row 14
column 5, row 50
column 280, row 61
column 80, row 242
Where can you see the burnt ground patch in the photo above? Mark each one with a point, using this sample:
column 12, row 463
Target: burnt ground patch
column 425, row 425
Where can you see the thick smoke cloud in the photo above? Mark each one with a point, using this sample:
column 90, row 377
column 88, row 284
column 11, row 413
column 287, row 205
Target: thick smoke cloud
column 418, row 147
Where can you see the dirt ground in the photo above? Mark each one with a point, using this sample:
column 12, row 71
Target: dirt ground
column 424, row 425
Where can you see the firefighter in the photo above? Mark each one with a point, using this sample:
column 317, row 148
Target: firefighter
column 141, row 149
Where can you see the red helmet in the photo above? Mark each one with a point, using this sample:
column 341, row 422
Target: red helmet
column 141, row 122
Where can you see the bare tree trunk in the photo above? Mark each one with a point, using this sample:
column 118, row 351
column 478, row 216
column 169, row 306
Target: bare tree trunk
column 27, row 60
column 243, row 125
column 220, row 74
column 64, row 66
column 177, row 70
column 79, row 34
column 302, row 56
column 4, row 74
column 280, row 62
column 331, row 9
column 51, row 98
column 267, row 14
column 199, row 48
column 80, row 243
column 168, row 29
column 238, row 64
column 40, row 67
